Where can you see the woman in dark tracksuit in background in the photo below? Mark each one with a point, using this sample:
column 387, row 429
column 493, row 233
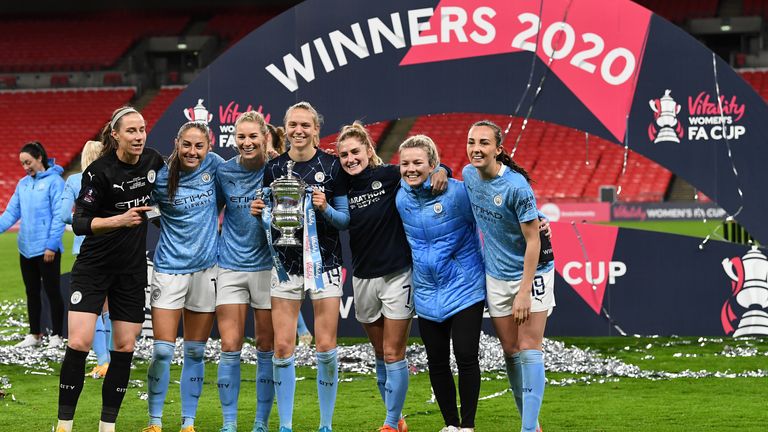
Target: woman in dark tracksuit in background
column 36, row 201
column 448, row 279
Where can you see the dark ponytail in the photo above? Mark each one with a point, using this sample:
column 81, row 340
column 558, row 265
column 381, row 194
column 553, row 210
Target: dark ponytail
column 37, row 151
column 503, row 157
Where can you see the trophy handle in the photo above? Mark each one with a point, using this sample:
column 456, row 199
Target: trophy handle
column 728, row 268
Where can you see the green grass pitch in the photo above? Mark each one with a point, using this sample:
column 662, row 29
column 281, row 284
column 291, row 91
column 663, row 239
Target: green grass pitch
column 628, row 404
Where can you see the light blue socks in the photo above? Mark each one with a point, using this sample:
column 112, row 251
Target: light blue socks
column 327, row 385
column 533, row 387
column 396, row 389
column 284, row 376
column 158, row 375
column 381, row 378
column 228, row 383
column 192, row 375
column 265, row 386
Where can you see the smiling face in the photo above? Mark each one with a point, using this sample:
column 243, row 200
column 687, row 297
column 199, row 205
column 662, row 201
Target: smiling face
column 251, row 142
column 482, row 149
column 301, row 129
column 414, row 166
column 354, row 155
column 31, row 164
column 192, row 147
column 131, row 135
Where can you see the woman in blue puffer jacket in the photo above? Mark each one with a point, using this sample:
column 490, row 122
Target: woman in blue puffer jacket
column 448, row 279
column 36, row 203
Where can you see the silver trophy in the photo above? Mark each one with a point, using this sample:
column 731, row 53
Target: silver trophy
column 288, row 206
column 754, row 293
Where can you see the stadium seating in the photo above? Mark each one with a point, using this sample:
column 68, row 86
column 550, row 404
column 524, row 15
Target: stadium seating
column 563, row 164
column 60, row 119
column 157, row 106
column 235, row 24
column 77, row 43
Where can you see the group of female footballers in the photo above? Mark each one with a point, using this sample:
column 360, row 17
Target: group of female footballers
column 427, row 261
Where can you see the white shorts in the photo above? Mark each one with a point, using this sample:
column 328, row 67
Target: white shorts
column 500, row 294
column 242, row 287
column 390, row 295
column 293, row 288
column 194, row 291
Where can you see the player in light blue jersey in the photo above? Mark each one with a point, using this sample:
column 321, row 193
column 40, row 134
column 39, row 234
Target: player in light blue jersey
column 184, row 279
column 102, row 338
column 244, row 274
column 519, row 281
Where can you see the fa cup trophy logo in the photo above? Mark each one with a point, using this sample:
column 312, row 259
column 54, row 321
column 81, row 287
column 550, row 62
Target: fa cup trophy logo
column 749, row 286
column 199, row 113
column 665, row 111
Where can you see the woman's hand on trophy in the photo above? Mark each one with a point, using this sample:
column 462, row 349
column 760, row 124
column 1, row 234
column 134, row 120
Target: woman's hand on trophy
column 257, row 206
column 318, row 199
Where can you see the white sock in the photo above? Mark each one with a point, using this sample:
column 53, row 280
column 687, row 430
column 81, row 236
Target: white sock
column 106, row 427
column 64, row 425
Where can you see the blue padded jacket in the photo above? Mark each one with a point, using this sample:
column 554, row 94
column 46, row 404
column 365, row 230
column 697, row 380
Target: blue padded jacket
column 448, row 272
column 36, row 203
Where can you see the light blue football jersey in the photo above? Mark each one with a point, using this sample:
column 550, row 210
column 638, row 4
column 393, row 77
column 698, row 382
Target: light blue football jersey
column 243, row 245
column 189, row 222
column 499, row 206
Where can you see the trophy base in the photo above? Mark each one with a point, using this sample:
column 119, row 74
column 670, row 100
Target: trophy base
column 754, row 322
column 288, row 242
column 666, row 134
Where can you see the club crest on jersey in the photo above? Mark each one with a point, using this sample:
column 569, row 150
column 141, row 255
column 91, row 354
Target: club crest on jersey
column 76, row 297
column 206, row 177
column 319, row 177
column 376, row 185
column 156, row 294
column 151, row 175
column 497, row 200
column 438, row 208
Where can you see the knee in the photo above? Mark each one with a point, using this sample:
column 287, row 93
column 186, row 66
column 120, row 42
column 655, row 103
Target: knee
column 466, row 357
column 79, row 344
column 528, row 344
column 231, row 344
column 163, row 351
column 194, row 350
column 283, row 349
column 264, row 345
column 123, row 345
column 393, row 354
column 510, row 347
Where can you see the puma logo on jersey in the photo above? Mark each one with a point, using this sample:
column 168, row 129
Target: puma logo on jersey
column 120, row 186
column 90, row 176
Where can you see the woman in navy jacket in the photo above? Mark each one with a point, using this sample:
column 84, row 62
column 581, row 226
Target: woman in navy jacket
column 36, row 203
column 448, row 278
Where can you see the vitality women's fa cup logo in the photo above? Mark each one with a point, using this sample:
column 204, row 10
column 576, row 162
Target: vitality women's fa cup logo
column 199, row 113
column 749, row 287
column 665, row 111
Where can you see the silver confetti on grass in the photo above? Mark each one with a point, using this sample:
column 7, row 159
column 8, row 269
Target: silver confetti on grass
column 591, row 366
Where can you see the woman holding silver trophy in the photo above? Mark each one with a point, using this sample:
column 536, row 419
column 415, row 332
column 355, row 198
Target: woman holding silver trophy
column 244, row 273
column 298, row 184
column 184, row 279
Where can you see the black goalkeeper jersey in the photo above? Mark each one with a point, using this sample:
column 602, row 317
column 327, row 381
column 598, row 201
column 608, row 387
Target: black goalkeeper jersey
column 110, row 187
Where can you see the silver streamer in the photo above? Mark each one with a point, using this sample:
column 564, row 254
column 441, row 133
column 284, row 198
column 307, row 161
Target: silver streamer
column 728, row 218
column 588, row 365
